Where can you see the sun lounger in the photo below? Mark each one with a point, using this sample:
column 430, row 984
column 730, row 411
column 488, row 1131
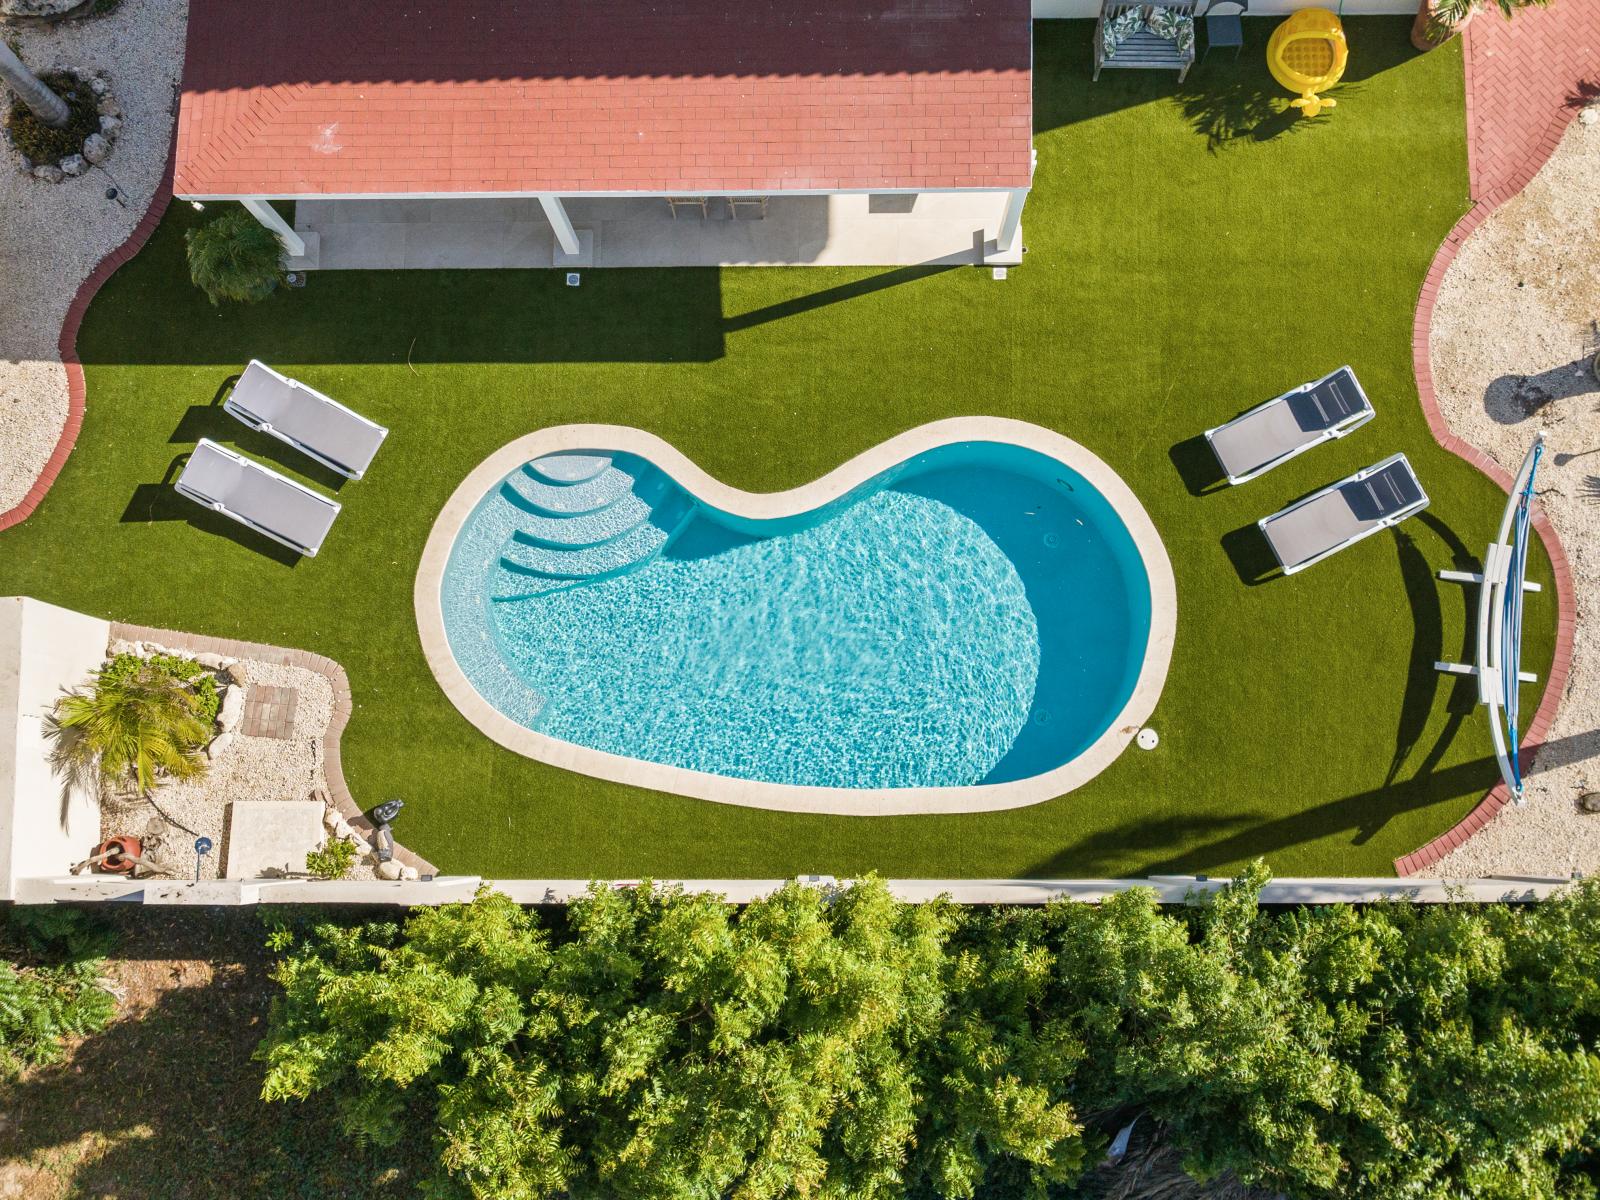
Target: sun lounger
column 1343, row 513
column 1272, row 433
column 244, row 490
column 303, row 417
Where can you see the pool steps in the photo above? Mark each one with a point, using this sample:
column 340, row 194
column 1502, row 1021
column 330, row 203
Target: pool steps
column 569, row 468
column 543, row 498
column 603, row 519
column 602, row 525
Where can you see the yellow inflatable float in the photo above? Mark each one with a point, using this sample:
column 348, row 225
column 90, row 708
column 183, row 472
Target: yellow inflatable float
column 1307, row 54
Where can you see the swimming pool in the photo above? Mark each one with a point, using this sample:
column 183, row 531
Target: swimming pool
column 933, row 626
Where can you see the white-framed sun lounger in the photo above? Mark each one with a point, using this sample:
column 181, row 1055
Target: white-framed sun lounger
column 304, row 418
column 1272, row 433
column 1343, row 513
column 274, row 505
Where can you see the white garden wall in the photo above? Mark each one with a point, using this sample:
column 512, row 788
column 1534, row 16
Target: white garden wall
column 46, row 824
column 1258, row 8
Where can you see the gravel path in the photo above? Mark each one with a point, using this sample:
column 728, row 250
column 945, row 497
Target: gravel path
column 1512, row 329
column 53, row 235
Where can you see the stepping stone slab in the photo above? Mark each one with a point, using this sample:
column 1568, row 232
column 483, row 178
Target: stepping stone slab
column 271, row 837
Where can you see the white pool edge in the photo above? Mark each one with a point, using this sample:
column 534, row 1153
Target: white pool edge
column 855, row 802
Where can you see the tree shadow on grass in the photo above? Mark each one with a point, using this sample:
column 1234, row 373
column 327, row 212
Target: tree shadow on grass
column 165, row 1103
column 1250, row 835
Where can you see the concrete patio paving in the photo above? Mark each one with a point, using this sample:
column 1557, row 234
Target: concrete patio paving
column 891, row 229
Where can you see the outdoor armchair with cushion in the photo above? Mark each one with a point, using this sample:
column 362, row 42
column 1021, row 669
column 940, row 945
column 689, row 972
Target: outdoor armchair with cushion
column 245, row 491
column 303, row 417
column 1272, row 433
column 1343, row 513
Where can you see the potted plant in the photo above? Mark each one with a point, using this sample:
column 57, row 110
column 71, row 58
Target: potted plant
column 1440, row 20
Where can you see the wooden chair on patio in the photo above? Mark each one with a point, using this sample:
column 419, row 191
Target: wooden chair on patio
column 1153, row 34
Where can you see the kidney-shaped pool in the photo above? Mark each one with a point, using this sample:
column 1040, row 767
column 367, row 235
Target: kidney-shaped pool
column 977, row 614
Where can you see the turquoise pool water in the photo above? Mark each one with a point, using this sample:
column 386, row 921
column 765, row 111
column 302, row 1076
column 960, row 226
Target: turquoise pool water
column 977, row 614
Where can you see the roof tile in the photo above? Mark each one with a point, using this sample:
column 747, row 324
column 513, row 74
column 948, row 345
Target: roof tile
column 351, row 96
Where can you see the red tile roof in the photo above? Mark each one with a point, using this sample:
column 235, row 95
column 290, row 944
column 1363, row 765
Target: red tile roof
column 306, row 97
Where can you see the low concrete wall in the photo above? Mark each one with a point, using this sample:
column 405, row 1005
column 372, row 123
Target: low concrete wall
column 1258, row 8
column 453, row 889
column 47, row 823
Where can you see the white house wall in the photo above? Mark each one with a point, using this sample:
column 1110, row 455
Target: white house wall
column 45, row 825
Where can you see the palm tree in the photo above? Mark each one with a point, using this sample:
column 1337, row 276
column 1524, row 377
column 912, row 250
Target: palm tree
column 41, row 101
column 132, row 727
column 1438, row 20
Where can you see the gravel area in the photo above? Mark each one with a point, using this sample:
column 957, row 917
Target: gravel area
column 250, row 768
column 53, row 235
column 1513, row 333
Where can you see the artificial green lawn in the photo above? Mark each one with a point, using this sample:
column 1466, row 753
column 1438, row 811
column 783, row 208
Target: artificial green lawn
column 1192, row 251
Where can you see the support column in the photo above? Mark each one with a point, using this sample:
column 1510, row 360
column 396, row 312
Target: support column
column 556, row 212
column 293, row 244
column 1011, row 226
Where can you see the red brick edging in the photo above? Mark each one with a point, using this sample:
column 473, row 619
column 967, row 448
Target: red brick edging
column 1566, row 611
column 67, row 344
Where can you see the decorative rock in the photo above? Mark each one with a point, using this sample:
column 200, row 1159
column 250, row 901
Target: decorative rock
column 408, row 873
column 231, row 711
column 1590, row 115
column 49, row 172
column 389, row 870
column 45, row 9
column 218, row 745
column 123, row 646
column 109, row 107
column 340, row 827
column 212, row 662
column 109, row 124
column 96, row 149
column 98, row 86
column 74, row 165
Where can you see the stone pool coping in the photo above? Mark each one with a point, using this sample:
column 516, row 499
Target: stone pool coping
column 791, row 797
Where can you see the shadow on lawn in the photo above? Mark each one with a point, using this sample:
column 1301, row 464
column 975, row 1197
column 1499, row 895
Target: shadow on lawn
column 161, row 502
column 1197, row 466
column 1250, row 835
column 165, row 1103
column 1427, row 648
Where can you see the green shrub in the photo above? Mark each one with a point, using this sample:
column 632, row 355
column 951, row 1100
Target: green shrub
column 42, row 143
column 138, row 719
column 201, row 681
column 235, row 257
column 657, row 1044
column 334, row 860
column 51, row 985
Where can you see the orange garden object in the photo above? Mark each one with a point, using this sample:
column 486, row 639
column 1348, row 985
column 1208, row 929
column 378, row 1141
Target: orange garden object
column 1307, row 54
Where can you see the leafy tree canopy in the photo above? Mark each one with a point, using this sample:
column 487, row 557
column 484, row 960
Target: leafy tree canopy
column 849, row 1045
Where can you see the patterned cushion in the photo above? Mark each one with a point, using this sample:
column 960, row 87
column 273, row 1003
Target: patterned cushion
column 1174, row 26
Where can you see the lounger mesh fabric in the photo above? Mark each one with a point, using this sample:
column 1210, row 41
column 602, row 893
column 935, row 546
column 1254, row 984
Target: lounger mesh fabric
column 1345, row 512
column 308, row 418
column 261, row 495
column 1275, row 429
